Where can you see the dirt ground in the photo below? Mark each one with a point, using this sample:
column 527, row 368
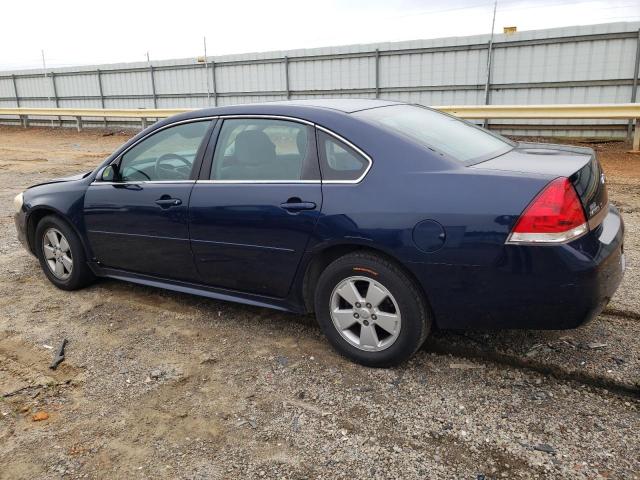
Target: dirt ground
column 163, row 385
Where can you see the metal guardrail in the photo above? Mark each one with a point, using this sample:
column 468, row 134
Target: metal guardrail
column 94, row 112
column 623, row 111
column 628, row 111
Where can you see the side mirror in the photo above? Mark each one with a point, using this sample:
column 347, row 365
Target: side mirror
column 108, row 173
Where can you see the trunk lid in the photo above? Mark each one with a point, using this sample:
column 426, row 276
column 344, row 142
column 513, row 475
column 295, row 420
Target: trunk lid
column 579, row 164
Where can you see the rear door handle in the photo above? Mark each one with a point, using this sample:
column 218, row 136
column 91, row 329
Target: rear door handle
column 296, row 206
column 168, row 202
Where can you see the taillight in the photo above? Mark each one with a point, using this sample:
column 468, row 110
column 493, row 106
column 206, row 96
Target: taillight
column 554, row 216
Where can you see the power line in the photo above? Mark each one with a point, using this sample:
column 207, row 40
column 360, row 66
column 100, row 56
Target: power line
column 513, row 6
column 563, row 4
column 429, row 12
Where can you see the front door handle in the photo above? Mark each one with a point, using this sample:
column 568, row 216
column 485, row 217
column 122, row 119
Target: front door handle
column 168, row 202
column 299, row 205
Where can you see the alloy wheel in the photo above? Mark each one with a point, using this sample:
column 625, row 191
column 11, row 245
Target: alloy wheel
column 365, row 313
column 57, row 253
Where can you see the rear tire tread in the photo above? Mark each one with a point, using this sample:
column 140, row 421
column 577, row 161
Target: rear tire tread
column 367, row 259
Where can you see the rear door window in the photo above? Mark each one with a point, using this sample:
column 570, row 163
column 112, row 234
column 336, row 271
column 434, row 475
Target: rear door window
column 253, row 149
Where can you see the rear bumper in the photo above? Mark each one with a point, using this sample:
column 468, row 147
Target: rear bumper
column 538, row 287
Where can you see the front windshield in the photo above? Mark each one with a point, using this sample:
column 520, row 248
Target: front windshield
column 446, row 134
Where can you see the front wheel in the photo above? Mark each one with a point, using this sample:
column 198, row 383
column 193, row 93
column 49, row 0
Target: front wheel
column 61, row 254
column 370, row 310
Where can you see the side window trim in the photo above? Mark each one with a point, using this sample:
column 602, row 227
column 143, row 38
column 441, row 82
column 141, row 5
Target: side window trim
column 208, row 162
column 357, row 149
column 204, row 159
column 197, row 163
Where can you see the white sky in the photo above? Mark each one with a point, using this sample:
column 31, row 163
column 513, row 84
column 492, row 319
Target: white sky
column 85, row 32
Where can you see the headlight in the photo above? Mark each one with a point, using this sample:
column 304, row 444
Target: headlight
column 17, row 202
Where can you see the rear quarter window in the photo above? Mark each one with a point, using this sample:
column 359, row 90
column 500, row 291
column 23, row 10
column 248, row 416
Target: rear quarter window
column 338, row 161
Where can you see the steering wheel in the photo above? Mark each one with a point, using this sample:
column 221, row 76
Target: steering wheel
column 169, row 172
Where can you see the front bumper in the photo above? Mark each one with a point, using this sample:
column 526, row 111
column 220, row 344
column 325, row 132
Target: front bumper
column 539, row 287
column 20, row 219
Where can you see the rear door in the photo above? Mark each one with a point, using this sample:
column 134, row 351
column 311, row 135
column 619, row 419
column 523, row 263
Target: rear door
column 253, row 209
column 139, row 221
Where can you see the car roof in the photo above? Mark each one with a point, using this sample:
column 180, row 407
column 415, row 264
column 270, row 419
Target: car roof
column 347, row 105
column 329, row 114
column 311, row 110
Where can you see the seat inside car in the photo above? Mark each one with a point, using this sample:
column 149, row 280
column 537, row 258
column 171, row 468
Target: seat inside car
column 255, row 157
column 301, row 143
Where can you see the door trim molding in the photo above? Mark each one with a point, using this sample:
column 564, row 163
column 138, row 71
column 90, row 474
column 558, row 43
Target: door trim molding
column 245, row 245
column 99, row 182
column 261, row 181
column 103, row 232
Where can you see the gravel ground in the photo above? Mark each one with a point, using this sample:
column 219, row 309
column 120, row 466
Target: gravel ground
column 163, row 385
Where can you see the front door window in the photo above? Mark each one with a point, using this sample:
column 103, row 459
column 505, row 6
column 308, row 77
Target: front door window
column 166, row 155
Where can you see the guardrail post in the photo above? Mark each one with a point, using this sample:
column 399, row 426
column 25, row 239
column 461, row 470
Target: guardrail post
column 634, row 91
column 79, row 123
column 25, row 120
column 286, row 77
column 214, row 91
column 15, row 90
column 636, row 136
column 153, row 87
column 377, row 73
column 144, row 122
column 101, row 94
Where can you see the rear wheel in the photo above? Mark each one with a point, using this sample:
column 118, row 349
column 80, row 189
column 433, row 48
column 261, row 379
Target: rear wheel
column 370, row 310
column 61, row 254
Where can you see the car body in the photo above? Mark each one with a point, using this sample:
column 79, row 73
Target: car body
column 221, row 226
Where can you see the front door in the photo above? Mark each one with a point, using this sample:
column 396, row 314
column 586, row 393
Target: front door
column 139, row 221
column 252, row 215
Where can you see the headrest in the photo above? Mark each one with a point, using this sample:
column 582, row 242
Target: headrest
column 254, row 147
column 301, row 141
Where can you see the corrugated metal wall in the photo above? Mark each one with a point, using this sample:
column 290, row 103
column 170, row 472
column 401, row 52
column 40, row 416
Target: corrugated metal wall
column 585, row 64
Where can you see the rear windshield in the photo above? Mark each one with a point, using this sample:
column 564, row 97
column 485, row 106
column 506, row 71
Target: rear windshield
column 446, row 134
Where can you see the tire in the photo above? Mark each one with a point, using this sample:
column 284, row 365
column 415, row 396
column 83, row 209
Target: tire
column 54, row 259
column 402, row 310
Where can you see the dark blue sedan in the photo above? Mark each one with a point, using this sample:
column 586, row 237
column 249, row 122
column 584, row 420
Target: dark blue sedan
column 385, row 219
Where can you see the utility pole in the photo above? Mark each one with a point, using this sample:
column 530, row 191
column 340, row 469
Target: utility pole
column 154, row 96
column 206, row 71
column 44, row 70
column 489, row 57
